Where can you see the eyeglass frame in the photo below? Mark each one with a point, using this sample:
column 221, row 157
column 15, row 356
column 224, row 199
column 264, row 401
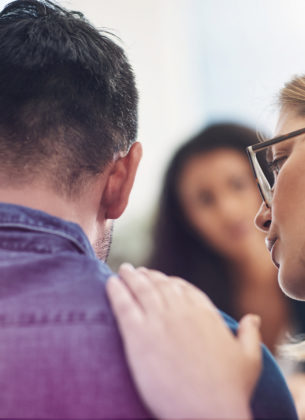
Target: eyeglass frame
column 263, row 185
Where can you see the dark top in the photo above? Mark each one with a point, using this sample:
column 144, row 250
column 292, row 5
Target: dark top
column 60, row 352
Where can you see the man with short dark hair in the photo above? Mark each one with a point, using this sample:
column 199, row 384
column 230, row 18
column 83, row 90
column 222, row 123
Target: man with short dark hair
column 68, row 158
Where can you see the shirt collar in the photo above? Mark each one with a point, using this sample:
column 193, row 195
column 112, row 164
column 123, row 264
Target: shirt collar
column 22, row 217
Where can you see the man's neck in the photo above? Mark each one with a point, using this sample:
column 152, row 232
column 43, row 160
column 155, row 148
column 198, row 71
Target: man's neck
column 44, row 199
column 40, row 199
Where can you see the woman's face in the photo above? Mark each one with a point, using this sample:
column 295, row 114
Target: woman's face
column 284, row 223
column 220, row 198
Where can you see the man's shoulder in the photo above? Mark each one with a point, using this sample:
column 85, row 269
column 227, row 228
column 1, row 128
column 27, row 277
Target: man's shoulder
column 65, row 289
column 84, row 267
column 57, row 312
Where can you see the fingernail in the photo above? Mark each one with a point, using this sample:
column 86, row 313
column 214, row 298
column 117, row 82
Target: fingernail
column 113, row 278
column 112, row 281
column 127, row 266
column 144, row 269
column 256, row 320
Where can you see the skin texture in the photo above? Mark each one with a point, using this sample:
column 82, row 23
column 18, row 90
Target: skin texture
column 284, row 222
column 167, row 325
column 220, row 199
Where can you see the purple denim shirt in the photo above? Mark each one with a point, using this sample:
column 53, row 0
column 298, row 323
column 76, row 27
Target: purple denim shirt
column 60, row 352
column 61, row 355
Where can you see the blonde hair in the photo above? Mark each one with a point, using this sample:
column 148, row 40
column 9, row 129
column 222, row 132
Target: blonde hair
column 293, row 94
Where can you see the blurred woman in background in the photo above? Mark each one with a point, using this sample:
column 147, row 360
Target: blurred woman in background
column 205, row 232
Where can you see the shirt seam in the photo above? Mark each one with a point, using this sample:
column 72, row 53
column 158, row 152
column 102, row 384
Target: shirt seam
column 48, row 230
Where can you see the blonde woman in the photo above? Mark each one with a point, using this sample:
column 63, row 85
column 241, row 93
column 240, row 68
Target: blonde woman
column 221, row 371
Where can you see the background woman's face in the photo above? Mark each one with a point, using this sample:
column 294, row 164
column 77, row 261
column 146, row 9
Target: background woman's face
column 220, row 198
column 287, row 214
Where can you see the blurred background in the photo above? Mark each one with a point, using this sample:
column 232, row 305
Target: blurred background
column 196, row 62
column 199, row 62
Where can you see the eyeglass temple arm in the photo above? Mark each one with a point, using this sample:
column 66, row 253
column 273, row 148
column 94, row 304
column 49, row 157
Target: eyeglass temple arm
column 265, row 144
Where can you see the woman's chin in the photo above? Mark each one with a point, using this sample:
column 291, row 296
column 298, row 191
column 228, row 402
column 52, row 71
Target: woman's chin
column 292, row 282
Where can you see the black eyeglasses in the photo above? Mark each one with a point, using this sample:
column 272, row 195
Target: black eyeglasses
column 264, row 178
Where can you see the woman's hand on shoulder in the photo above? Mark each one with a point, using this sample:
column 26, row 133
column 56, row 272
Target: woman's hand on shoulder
column 185, row 361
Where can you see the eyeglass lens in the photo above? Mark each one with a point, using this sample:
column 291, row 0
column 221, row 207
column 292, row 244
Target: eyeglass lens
column 265, row 166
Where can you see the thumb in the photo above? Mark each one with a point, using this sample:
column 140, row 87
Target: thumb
column 250, row 338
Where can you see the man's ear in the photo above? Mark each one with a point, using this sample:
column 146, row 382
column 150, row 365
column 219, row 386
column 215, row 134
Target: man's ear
column 120, row 181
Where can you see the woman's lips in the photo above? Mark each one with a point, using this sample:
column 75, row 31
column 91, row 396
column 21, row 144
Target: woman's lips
column 273, row 250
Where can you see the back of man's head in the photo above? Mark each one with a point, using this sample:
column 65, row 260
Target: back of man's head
column 68, row 100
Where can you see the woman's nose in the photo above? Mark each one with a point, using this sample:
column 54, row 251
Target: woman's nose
column 263, row 218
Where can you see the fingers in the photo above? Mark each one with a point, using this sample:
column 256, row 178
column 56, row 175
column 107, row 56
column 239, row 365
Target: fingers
column 168, row 288
column 142, row 288
column 154, row 289
column 126, row 309
column 172, row 289
column 250, row 339
column 154, row 275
